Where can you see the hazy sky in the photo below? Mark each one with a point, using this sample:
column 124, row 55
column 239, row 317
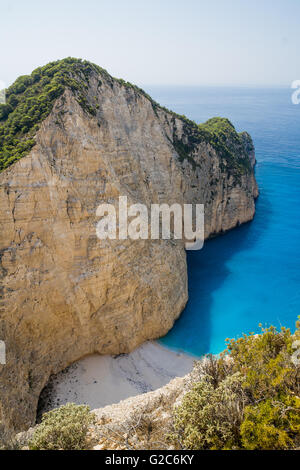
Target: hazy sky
column 171, row 42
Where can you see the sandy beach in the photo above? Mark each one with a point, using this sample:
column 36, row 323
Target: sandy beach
column 104, row 380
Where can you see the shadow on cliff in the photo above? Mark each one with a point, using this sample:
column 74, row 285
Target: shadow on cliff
column 207, row 271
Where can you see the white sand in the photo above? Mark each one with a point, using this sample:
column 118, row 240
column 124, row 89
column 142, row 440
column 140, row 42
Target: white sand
column 104, row 380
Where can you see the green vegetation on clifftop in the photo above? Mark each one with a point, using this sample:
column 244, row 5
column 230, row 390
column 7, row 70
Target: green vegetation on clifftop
column 31, row 98
column 221, row 135
column 227, row 142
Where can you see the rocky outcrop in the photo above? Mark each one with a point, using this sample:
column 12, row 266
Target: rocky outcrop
column 65, row 293
column 139, row 423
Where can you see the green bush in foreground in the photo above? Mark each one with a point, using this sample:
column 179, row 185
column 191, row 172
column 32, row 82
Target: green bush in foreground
column 248, row 398
column 65, row 428
column 210, row 418
column 272, row 425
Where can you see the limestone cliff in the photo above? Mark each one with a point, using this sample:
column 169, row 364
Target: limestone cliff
column 64, row 292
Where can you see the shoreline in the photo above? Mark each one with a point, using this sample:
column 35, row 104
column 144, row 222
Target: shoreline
column 99, row 381
column 179, row 351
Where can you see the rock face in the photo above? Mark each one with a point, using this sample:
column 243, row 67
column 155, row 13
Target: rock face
column 65, row 293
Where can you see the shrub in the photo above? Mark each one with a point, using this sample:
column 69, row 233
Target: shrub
column 247, row 398
column 265, row 362
column 210, row 418
column 65, row 428
column 272, row 425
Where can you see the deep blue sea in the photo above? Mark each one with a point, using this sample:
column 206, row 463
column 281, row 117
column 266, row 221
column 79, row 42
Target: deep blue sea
column 250, row 275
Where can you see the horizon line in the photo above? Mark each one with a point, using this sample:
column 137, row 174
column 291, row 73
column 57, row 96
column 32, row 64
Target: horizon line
column 182, row 85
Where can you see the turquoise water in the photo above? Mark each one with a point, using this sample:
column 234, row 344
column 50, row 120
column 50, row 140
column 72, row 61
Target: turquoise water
column 252, row 274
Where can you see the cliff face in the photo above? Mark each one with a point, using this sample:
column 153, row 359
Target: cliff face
column 64, row 292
